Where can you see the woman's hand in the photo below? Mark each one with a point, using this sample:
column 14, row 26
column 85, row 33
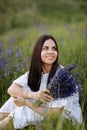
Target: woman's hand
column 19, row 101
column 42, row 95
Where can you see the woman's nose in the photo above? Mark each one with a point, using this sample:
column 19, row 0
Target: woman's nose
column 50, row 51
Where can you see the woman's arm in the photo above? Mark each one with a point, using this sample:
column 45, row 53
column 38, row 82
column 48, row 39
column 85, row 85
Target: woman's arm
column 16, row 90
column 20, row 101
column 18, row 87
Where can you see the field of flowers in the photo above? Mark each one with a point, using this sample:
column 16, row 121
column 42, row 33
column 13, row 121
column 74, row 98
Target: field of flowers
column 22, row 29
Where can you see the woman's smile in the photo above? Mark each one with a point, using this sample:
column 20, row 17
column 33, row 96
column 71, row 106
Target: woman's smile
column 50, row 57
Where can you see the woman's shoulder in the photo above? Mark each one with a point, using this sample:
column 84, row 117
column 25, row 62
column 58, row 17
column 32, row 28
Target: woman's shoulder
column 22, row 80
column 25, row 75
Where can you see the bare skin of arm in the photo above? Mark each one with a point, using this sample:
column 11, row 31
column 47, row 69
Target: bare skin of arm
column 16, row 90
column 21, row 97
column 20, row 101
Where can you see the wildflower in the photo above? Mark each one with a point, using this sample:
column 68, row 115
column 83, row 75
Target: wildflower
column 18, row 53
column 3, row 65
column 9, row 51
column 1, row 49
column 12, row 40
column 64, row 83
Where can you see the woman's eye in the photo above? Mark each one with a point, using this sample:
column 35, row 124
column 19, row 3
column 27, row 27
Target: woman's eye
column 54, row 48
column 45, row 48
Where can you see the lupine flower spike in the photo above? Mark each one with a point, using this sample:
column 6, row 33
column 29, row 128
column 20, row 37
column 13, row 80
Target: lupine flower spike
column 64, row 83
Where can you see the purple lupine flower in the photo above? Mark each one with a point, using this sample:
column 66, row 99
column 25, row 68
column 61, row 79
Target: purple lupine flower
column 3, row 65
column 0, row 54
column 24, row 61
column 20, row 65
column 18, row 53
column 12, row 40
column 1, row 49
column 9, row 51
column 8, row 71
column 64, row 83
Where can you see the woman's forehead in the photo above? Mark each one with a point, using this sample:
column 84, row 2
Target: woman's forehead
column 49, row 42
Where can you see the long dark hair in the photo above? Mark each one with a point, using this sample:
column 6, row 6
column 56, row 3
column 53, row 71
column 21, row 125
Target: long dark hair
column 35, row 69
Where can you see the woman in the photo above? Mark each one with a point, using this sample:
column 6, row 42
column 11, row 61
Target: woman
column 31, row 87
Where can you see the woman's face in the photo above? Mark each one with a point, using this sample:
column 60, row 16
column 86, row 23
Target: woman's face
column 49, row 52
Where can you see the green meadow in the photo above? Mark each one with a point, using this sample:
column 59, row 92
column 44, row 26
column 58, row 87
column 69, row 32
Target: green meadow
column 22, row 23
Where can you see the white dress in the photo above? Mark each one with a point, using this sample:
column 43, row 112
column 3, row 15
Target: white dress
column 23, row 116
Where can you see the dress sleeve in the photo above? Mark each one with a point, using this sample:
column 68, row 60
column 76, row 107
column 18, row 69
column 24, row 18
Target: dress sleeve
column 72, row 108
column 22, row 81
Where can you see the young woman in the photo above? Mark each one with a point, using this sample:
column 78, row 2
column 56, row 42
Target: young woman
column 31, row 87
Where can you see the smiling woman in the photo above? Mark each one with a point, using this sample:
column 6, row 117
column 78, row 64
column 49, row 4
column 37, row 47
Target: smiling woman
column 32, row 87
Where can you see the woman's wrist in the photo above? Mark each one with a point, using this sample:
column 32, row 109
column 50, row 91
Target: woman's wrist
column 28, row 94
column 28, row 104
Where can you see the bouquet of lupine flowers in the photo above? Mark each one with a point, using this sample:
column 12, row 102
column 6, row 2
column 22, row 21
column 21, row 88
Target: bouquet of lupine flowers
column 64, row 83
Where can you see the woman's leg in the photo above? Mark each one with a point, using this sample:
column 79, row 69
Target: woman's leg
column 3, row 115
column 7, row 123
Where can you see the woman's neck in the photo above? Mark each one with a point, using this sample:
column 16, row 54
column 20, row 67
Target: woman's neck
column 46, row 69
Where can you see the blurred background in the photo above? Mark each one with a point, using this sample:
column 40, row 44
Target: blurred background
column 22, row 22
